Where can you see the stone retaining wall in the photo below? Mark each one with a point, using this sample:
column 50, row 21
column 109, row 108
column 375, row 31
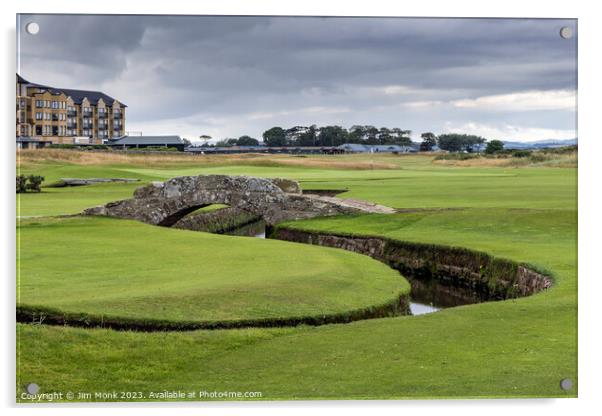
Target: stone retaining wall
column 490, row 277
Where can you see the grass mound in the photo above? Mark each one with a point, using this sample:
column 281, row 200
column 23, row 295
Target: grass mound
column 108, row 270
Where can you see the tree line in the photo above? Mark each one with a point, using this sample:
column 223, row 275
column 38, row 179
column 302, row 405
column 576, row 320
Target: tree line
column 335, row 136
column 330, row 136
column 321, row 136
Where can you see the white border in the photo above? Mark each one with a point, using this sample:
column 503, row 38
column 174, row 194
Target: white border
column 590, row 209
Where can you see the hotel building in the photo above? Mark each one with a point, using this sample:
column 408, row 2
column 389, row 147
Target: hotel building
column 66, row 116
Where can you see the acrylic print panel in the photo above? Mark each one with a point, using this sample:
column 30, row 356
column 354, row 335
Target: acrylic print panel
column 307, row 208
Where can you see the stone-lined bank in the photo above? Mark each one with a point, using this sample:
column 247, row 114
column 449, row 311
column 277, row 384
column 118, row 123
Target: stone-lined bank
column 491, row 278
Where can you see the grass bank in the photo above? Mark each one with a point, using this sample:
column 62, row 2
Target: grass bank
column 106, row 271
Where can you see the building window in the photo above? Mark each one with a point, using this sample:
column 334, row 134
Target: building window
column 39, row 116
column 39, row 103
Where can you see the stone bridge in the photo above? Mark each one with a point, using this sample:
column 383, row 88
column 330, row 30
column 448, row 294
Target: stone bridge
column 275, row 200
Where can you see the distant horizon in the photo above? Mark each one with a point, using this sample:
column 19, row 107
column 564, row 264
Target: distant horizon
column 415, row 140
column 228, row 76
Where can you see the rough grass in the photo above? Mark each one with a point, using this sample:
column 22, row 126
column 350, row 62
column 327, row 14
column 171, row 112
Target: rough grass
column 537, row 159
column 30, row 156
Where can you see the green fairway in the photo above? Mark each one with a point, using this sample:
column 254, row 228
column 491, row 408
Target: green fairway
column 119, row 268
column 513, row 348
column 417, row 183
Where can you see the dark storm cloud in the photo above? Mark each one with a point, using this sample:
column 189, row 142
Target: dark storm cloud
column 210, row 70
column 95, row 41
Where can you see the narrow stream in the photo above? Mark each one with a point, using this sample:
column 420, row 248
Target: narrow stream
column 426, row 296
column 254, row 229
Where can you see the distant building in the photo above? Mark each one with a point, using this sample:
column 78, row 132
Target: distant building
column 66, row 116
column 137, row 142
column 294, row 150
column 24, row 142
column 375, row 148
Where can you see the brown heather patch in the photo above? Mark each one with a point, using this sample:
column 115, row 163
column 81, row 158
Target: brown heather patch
column 568, row 160
column 29, row 156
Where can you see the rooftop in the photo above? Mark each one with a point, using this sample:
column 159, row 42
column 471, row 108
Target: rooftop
column 147, row 140
column 76, row 95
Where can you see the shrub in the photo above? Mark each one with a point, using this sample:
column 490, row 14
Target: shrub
column 34, row 182
column 29, row 183
column 494, row 146
column 21, row 182
column 538, row 157
column 457, row 156
column 560, row 150
column 521, row 153
column 62, row 146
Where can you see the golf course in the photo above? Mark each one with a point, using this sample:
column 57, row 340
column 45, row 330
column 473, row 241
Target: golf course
column 363, row 345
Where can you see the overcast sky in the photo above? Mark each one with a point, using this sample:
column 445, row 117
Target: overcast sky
column 229, row 76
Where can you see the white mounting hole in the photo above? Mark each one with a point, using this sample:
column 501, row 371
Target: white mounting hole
column 32, row 28
column 566, row 32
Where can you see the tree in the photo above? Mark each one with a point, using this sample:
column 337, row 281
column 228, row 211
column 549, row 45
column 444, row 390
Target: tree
column 332, row 136
column 356, row 134
column 404, row 140
column 400, row 137
column 226, row 142
column 306, row 136
column 276, row 136
column 247, row 141
column 459, row 142
column 384, row 136
column 429, row 140
column 205, row 138
column 494, row 146
column 371, row 134
column 186, row 142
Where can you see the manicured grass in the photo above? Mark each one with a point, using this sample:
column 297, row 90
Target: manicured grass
column 418, row 183
column 514, row 348
column 119, row 268
column 71, row 200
